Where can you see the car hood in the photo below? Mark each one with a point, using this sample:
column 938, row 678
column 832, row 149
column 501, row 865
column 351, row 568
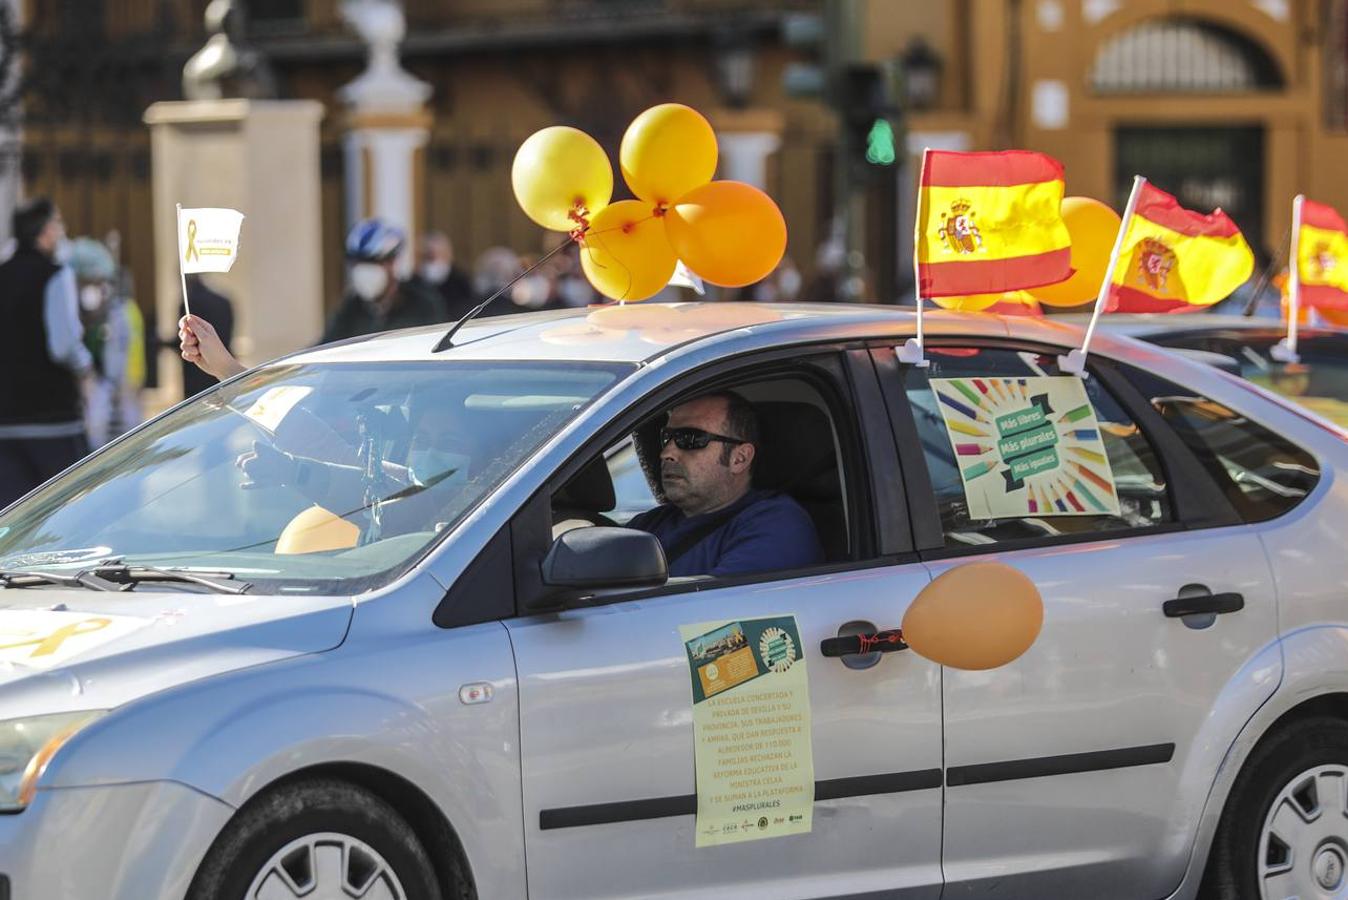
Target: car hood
column 64, row 650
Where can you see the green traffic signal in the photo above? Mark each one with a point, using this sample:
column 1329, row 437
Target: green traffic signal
column 880, row 149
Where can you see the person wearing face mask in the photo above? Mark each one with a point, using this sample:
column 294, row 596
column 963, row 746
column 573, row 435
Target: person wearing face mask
column 46, row 368
column 376, row 300
column 113, row 332
column 437, row 272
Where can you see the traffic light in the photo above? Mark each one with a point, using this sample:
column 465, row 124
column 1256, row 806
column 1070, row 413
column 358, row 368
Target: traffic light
column 869, row 118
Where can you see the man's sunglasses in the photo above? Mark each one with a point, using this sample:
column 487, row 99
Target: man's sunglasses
column 693, row 438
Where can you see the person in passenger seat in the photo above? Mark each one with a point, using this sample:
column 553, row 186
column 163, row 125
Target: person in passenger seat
column 714, row 522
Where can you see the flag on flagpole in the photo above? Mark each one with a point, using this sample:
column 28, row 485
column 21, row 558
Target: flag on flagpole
column 208, row 239
column 1322, row 257
column 990, row 222
column 1174, row 259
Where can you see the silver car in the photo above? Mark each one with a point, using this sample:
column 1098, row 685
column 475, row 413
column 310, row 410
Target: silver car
column 418, row 659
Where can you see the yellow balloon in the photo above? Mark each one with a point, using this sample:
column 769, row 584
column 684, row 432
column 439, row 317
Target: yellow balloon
column 1093, row 227
column 625, row 253
column 561, row 173
column 666, row 152
column 968, row 303
column 727, row 232
column 976, row 616
column 316, row 529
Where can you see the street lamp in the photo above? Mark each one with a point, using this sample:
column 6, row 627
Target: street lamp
column 735, row 63
column 921, row 69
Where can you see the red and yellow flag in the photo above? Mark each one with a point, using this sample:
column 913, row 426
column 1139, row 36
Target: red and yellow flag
column 990, row 222
column 1176, row 260
column 1322, row 257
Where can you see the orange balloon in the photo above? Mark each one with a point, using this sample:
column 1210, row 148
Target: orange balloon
column 1093, row 227
column 666, row 152
column 314, row 530
column 625, row 253
column 727, row 232
column 976, row 616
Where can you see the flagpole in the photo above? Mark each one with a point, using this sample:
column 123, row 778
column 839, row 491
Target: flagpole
column 1075, row 361
column 911, row 352
column 1286, row 350
column 182, row 275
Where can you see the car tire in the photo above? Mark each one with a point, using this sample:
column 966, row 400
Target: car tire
column 1255, row 840
column 312, row 836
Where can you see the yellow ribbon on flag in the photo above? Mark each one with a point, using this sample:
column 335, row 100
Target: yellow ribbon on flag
column 192, row 252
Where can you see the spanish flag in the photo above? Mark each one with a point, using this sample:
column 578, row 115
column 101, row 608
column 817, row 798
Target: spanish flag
column 1175, row 260
column 1322, row 257
column 989, row 223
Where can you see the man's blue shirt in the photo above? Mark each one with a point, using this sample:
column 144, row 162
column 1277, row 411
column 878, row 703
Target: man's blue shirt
column 762, row 531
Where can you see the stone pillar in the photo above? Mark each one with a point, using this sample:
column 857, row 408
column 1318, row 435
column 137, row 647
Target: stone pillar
column 745, row 139
column 387, row 127
column 260, row 157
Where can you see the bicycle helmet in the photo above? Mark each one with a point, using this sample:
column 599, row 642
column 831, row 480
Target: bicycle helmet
column 374, row 240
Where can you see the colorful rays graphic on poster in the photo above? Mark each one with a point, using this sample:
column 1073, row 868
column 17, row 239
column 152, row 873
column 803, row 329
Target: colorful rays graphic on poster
column 1027, row 447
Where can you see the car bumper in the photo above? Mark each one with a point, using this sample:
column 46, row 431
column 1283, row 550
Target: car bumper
column 118, row 842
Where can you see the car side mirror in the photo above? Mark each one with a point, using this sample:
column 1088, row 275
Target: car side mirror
column 602, row 559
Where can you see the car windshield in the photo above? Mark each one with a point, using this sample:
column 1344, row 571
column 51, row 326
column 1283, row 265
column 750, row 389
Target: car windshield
column 320, row 479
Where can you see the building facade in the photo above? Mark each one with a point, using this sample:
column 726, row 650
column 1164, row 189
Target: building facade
column 1238, row 103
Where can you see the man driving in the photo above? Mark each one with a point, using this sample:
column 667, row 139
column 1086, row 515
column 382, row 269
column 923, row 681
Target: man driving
column 715, row 522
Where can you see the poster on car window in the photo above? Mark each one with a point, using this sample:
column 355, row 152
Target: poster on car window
column 751, row 729
column 1027, row 447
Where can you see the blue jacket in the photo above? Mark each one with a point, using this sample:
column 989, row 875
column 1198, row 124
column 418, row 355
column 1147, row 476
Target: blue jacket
column 764, row 531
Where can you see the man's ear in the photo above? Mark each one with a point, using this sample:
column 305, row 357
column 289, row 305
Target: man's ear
column 742, row 457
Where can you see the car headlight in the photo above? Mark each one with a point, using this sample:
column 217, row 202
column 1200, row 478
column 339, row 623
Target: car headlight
column 27, row 745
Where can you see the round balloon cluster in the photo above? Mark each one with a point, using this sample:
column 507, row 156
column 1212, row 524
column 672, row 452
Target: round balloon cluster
column 726, row 232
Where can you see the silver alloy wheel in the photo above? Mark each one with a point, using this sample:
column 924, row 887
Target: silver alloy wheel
column 1303, row 846
column 326, row 866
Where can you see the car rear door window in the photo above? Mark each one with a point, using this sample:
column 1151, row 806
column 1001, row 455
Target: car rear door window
column 1139, row 478
column 1262, row 473
column 1318, row 380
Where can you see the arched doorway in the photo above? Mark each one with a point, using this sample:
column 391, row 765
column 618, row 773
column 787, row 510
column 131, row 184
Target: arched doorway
column 1204, row 164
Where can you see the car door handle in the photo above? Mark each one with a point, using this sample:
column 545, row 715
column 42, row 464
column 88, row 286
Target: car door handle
column 857, row 644
column 1203, row 605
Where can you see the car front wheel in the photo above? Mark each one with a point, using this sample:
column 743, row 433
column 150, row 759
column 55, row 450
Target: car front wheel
column 1284, row 832
column 319, row 838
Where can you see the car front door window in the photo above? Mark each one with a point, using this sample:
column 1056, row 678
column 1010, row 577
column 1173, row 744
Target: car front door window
column 1136, row 470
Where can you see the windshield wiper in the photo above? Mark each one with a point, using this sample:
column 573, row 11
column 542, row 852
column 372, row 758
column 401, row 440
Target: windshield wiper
column 26, row 578
column 123, row 577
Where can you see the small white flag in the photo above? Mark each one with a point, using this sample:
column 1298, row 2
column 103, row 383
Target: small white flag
column 685, row 277
column 208, row 239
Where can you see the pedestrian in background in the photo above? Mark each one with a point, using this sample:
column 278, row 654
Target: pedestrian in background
column 375, row 299
column 215, row 308
column 114, row 332
column 45, row 368
column 438, row 273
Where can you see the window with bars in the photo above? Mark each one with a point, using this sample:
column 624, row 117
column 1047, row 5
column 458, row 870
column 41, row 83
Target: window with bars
column 1180, row 55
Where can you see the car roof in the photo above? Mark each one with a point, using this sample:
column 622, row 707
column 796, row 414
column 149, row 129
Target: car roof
column 1154, row 324
column 642, row 332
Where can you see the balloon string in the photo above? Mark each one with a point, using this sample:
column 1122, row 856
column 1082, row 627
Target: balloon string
column 592, row 233
column 599, row 265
